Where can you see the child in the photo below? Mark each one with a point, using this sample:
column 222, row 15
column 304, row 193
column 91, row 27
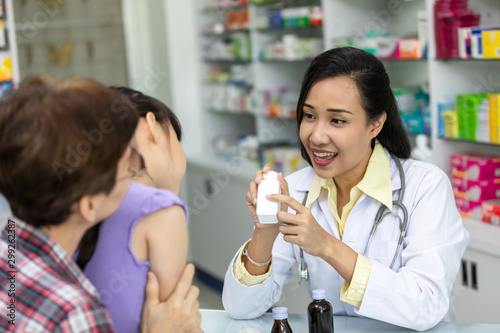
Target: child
column 148, row 230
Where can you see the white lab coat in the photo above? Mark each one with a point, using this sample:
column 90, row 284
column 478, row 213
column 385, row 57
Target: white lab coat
column 415, row 293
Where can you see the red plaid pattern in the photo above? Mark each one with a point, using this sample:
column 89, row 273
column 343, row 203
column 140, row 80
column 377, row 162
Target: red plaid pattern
column 50, row 292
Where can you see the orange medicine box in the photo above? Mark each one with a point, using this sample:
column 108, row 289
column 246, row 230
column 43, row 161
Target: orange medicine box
column 491, row 211
column 409, row 48
column 492, row 206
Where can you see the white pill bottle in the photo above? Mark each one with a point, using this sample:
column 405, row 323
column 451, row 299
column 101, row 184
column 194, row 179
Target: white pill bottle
column 267, row 210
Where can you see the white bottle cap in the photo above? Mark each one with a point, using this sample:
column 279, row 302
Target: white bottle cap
column 270, row 175
column 318, row 294
column 280, row 313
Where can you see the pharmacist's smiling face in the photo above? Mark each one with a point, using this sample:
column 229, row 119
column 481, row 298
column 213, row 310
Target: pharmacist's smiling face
column 334, row 130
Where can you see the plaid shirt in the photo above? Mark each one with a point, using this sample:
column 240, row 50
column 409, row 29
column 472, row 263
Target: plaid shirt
column 42, row 289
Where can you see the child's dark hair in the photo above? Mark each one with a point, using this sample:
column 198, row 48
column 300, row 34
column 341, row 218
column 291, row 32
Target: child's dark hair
column 144, row 104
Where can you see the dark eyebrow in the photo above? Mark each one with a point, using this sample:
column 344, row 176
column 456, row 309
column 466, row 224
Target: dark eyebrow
column 329, row 110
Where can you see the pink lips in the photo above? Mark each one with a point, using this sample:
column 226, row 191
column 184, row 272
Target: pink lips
column 319, row 162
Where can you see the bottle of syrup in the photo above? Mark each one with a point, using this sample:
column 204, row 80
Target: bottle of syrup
column 280, row 315
column 320, row 313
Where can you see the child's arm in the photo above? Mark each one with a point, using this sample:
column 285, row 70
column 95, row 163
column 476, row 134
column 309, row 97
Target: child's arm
column 163, row 234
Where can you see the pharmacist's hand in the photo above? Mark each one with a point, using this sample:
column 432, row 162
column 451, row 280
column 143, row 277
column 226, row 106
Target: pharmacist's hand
column 300, row 228
column 179, row 313
column 251, row 197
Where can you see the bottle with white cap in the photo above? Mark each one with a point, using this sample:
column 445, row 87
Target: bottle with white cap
column 320, row 313
column 267, row 211
column 280, row 315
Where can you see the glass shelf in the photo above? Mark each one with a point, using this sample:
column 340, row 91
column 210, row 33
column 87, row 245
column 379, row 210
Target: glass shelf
column 264, row 115
column 222, row 8
column 287, row 3
column 422, row 60
column 317, row 28
column 232, row 112
column 224, row 33
column 242, row 85
column 464, row 60
column 470, row 141
column 227, row 61
column 286, row 61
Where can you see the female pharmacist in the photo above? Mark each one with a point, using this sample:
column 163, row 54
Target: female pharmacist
column 401, row 271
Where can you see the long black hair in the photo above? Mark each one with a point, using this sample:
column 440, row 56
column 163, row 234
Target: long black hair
column 144, row 104
column 372, row 81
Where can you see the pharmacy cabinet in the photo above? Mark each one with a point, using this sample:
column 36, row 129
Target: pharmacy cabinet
column 254, row 54
column 476, row 291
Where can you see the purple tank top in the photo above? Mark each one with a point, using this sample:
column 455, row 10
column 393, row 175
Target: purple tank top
column 117, row 274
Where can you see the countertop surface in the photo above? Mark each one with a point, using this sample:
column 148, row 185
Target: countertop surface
column 218, row 321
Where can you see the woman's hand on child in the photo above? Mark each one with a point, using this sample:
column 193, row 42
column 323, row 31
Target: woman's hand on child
column 179, row 313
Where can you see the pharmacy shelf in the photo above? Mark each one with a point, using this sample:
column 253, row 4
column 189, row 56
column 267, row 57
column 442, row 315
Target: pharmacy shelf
column 316, row 29
column 207, row 10
column 284, row 61
column 228, row 61
column 286, row 4
column 485, row 144
column 225, row 33
column 471, row 60
column 422, row 60
column 237, row 113
column 484, row 236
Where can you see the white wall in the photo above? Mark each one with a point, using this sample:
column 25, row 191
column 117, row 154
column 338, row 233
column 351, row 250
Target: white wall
column 163, row 59
column 184, row 61
column 146, row 45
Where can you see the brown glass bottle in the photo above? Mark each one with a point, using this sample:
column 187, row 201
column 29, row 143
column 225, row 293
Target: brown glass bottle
column 280, row 315
column 320, row 313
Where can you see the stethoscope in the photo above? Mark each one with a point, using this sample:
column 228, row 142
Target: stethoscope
column 403, row 223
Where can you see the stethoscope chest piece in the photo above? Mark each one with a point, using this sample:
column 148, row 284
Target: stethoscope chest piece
column 303, row 271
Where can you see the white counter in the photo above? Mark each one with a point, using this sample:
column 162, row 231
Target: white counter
column 217, row 321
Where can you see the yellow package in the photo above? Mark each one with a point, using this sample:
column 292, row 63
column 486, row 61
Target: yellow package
column 451, row 124
column 494, row 111
column 491, row 44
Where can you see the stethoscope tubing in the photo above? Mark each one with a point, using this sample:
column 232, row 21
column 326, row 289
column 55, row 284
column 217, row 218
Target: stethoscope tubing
column 403, row 223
